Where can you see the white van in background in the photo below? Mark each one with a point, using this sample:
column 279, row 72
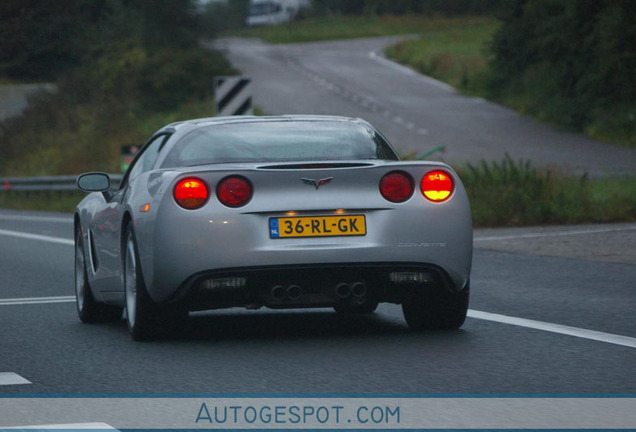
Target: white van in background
column 272, row 12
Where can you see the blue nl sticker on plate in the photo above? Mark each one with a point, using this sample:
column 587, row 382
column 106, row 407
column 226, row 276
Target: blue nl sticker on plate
column 273, row 228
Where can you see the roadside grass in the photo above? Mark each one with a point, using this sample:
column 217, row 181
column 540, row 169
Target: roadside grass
column 86, row 137
column 504, row 193
column 615, row 124
column 454, row 54
column 337, row 27
column 514, row 193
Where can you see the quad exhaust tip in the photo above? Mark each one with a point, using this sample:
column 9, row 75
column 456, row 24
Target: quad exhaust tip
column 278, row 292
column 294, row 292
column 359, row 289
column 343, row 290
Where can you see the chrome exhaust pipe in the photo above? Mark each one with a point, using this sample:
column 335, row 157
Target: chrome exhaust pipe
column 278, row 292
column 343, row 290
column 294, row 292
column 359, row 289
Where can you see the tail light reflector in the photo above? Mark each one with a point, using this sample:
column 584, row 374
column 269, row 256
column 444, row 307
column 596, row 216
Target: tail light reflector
column 234, row 191
column 396, row 186
column 191, row 193
column 437, row 186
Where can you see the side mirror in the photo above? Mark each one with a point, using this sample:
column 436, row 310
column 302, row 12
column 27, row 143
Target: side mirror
column 93, row 182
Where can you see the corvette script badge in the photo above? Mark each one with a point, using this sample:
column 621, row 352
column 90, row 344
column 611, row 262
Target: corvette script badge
column 317, row 183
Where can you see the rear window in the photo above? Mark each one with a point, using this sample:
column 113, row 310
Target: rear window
column 279, row 141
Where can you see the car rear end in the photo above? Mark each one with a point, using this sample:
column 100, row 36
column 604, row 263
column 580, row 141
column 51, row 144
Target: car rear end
column 285, row 235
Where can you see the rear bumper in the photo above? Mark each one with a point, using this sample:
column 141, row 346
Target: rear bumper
column 315, row 285
column 242, row 243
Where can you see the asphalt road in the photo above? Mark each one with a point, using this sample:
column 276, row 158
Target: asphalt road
column 318, row 350
column 415, row 112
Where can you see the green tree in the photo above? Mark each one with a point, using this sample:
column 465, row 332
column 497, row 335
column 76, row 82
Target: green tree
column 40, row 39
column 577, row 58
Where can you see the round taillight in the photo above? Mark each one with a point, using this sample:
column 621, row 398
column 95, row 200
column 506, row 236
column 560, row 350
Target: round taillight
column 234, row 191
column 396, row 186
column 437, row 186
column 191, row 193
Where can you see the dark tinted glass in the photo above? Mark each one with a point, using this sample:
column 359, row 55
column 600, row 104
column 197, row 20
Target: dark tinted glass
column 279, row 141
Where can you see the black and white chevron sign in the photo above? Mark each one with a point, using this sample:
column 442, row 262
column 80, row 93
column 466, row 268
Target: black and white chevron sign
column 233, row 95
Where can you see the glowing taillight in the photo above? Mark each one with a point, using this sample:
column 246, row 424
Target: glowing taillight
column 234, row 191
column 191, row 193
column 437, row 186
column 396, row 186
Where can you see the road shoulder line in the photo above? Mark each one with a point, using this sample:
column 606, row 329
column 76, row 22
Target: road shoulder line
column 12, row 378
column 36, row 300
column 24, row 218
column 29, row 236
column 554, row 234
column 73, row 426
column 555, row 328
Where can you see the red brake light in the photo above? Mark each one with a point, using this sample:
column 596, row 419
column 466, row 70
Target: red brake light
column 437, row 186
column 191, row 193
column 396, row 186
column 234, row 191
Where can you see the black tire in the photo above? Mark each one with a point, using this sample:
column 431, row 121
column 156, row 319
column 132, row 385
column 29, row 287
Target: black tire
column 141, row 310
column 436, row 309
column 89, row 310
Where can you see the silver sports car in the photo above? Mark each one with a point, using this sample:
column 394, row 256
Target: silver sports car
column 280, row 212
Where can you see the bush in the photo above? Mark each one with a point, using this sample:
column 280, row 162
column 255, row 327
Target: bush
column 510, row 193
column 169, row 78
column 572, row 63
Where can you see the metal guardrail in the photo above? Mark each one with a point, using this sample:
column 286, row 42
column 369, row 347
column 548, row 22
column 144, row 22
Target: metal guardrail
column 39, row 184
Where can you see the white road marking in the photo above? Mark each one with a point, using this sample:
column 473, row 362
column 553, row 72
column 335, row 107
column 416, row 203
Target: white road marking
column 83, row 426
column 37, row 218
column 11, row 378
column 555, row 328
column 30, row 236
column 36, row 300
column 553, row 234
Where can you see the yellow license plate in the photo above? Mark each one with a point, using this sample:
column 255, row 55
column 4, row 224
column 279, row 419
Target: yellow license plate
column 317, row 226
